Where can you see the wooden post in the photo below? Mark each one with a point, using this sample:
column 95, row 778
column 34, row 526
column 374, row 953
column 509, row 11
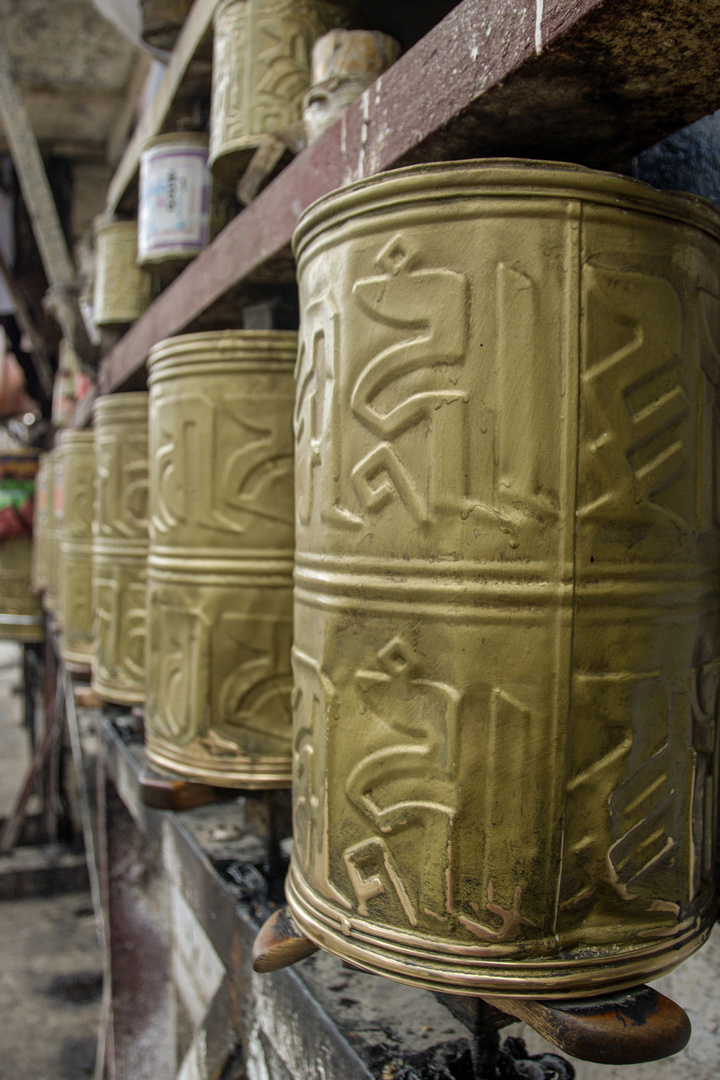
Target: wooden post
column 41, row 207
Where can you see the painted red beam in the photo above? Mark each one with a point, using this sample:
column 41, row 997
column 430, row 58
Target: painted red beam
column 591, row 81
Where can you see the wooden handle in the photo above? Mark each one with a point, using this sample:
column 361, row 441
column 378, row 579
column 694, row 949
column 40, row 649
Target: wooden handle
column 280, row 943
column 166, row 793
column 86, row 697
column 618, row 1029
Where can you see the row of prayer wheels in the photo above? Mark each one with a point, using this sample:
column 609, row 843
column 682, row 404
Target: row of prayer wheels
column 274, row 62
column 505, row 662
column 189, row 604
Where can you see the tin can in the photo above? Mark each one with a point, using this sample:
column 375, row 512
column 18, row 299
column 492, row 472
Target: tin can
column 507, row 633
column 174, row 215
column 21, row 615
column 344, row 64
column 122, row 288
column 77, row 455
column 40, row 524
column 220, row 565
column 120, row 547
column 162, row 21
column 261, row 72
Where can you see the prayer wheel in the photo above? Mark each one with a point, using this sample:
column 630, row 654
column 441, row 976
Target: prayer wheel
column 261, row 72
column 56, row 497
column 77, row 456
column 120, row 547
column 507, row 628
column 219, row 681
column 174, row 215
column 21, row 616
column 162, row 21
column 40, row 523
column 122, row 288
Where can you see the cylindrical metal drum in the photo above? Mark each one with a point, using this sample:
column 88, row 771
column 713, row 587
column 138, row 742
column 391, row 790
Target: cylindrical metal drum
column 122, row 288
column 56, row 502
column 221, row 555
column 507, row 617
column 77, row 453
column 261, row 71
column 344, row 64
column 174, row 214
column 40, row 524
column 120, row 547
column 21, row 615
column 162, row 21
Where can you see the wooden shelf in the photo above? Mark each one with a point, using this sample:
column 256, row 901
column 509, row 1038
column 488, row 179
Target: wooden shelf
column 187, row 79
column 589, row 81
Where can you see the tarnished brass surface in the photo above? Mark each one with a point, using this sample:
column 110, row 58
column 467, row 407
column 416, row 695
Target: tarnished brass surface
column 507, row 640
column 261, row 71
column 120, row 547
column 77, row 454
column 174, row 212
column 220, row 564
column 40, row 524
column 122, row 288
column 162, row 21
column 56, row 497
column 344, row 63
column 21, row 615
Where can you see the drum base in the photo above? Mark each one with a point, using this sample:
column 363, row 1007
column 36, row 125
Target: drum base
column 236, row 772
column 416, row 960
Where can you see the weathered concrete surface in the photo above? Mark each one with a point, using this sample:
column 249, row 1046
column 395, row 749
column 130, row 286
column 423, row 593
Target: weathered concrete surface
column 50, row 961
column 73, row 67
column 50, row 986
column 41, row 871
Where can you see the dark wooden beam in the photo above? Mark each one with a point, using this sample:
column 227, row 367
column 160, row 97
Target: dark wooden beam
column 41, row 206
column 590, row 81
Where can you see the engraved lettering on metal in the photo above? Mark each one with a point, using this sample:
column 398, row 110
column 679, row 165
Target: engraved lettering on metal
column 75, row 608
column 507, row 627
column 120, row 547
column 220, row 564
column 261, row 71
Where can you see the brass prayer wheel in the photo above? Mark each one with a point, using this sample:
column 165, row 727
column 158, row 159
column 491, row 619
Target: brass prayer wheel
column 120, row 547
column 162, row 21
column 40, row 522
column 21, row 615
column 77, row 455
column 56, row 495
column 219, row 679
column 507, row 639
column 261, row 71
column 122, row 288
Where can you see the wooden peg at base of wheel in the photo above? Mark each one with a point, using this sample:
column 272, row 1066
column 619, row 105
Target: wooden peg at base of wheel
column 280, row 943
column 617, row 1029
column 168, row 793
